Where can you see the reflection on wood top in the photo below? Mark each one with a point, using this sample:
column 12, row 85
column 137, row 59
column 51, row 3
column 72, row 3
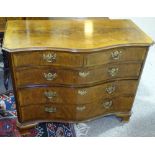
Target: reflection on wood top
column 72, row 35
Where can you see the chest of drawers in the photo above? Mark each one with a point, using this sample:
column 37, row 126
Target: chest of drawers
column 74, row 70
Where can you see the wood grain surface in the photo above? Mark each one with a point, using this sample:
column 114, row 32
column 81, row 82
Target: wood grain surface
column 75, row 35
column 70, row 112
column 77, row 60
column 37, row 75
column 69, row 96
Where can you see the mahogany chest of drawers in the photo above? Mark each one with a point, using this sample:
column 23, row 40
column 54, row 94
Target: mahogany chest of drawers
column 74, row 70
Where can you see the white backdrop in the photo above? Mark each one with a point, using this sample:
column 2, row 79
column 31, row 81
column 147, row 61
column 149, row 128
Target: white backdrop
column 147, row 84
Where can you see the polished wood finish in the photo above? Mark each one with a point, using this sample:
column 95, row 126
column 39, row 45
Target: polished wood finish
column 70, row 112
column 27, row 76
column 127, row 54
column 125, row 117
column 74, row 36
column 84, row 95
column 74, row 70
column 71, row 60
column 119, row 104
column 3, row 20
column 37, row 58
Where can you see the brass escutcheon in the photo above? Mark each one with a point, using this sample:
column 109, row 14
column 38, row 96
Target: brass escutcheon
column 49, row 57
column 110, row 89
column 50, row 76
column 113, row 71
column 50, row 109
column 50, row 95
column 116, row 55
column 83, row 74
column 107, row 104
column 82, row 92
column 80, row 108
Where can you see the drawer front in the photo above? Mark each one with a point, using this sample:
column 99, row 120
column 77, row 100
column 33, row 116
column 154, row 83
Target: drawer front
column 116, row 55
column 56, row 58
column 47, row 112
column 105, row 106
column 44, row 75
column 47, row 58
column 76, row 112
column 85, row 95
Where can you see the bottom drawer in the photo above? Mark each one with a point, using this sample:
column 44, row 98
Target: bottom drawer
column 104, row 107
column 47, row 112
column 75, row 112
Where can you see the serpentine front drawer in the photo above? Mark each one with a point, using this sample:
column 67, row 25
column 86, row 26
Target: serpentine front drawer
column 72, row 60
column 75, row 112
column 49, row 75
column 82, row 95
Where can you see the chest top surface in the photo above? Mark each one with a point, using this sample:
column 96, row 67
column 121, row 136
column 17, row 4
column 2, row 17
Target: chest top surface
column 72, row 35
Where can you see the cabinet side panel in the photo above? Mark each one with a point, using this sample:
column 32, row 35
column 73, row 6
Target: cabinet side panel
column 11, row 66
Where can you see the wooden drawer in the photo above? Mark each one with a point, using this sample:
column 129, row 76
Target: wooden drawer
column 116, row 55
column 85, row 95
column 76, row 112
column 47, row 75
column 47, row 112
column 105, row 106
column 57, row 58
column 40, row 58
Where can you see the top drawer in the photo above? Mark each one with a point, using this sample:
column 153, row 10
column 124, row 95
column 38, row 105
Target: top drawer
column 35, row 58
column 115, row 55
column 72, row 60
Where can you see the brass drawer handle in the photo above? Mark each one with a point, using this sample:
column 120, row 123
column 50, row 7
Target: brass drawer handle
column 50, row 95
column 82, row 92
column 110, row 89
column 107, row 104
column 49, row 57
column 116, row 55
column 83, row 74
column 50, row 109
column 50, row 76
column 80, row 108
column 113, row 71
